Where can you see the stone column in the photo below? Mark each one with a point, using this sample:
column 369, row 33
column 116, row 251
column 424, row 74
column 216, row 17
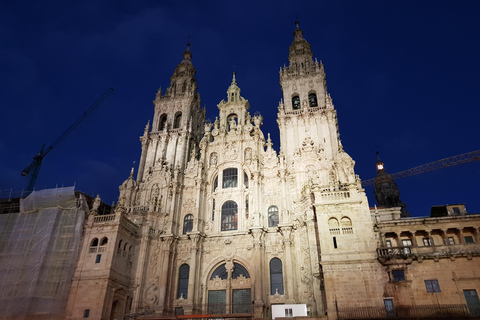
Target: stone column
column 289, row 276
column 166, row 249
column 228, row 294
column 141, row 271
column 257, row 234
column 193, row 276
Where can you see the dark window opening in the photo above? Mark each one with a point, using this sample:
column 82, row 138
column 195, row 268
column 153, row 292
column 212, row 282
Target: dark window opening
column 469, row 240
column 432, row 286
column 86, row 313
column 276, row 276
column 398, row 275
column 187, row 223
column 98, row 258
column 312, row 100
column 273, row 216
column 163, row 122
column 230, row 177
column 335, row 242
column 296, row 102
column 215, row 184
column 220, row 272
column 229, row 216
column 178, row 120
column 239, row 270
column 183, row 274
column 94, row 243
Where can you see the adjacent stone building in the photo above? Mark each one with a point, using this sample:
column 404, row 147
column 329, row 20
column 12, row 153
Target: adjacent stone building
column 218, row 222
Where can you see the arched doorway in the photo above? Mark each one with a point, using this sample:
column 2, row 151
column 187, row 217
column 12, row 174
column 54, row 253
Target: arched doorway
column 116, row 313
column 229, row 290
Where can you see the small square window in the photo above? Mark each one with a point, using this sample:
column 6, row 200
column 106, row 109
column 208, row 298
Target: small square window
column 432, row 286
column 469, row 240
column 86, row 313
column 398, row 275
column 456, row 210
column 98, row 258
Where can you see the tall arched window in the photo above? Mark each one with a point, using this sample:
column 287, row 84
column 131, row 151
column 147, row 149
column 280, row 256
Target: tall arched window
column 273, row 216
column 162, row 123
column 178, row 120
column 183, row 274
column 312, row 100
column 229, row 216
column 188, row 223
column 245, row 179
column 276, row 276
column 295, row 102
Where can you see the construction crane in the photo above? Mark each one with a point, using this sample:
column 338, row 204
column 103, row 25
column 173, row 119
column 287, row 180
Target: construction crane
column 439, row 164
column 34, row 167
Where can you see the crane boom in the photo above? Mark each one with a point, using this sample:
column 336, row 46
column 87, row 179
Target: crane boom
column 443, row 163
column 37, row 159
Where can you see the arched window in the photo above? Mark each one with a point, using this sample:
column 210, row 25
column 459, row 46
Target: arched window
column 276, row 276
column 94, row 242
column 295, row 102
column 333, row 226
column 120, row 245
column 229, row 216
column 104, row 241
column 346, row 224
column 162, row 123
column 220, row 272
column 273, row 216
column 230, row 177
column 239, row 270
column 187, row 223
column 183, row 274
column 312, row 100
column 178, row 120
column 245, row 179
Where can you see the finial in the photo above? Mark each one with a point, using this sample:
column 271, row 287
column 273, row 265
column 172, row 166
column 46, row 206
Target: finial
column 380, row 165
column 133, row 169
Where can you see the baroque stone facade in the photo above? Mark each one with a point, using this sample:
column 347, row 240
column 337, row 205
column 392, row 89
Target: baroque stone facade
column 218, row 222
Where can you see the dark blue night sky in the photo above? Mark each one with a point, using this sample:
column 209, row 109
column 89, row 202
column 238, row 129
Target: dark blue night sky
column 403, row 75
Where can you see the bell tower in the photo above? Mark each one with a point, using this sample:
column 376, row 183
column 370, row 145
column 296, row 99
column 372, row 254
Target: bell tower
column 306, row 110
column 177, row 122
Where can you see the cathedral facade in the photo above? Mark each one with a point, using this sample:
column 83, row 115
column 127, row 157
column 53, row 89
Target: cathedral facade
column 217, row 222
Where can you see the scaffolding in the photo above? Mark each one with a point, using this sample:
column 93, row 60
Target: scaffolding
column 39, row 248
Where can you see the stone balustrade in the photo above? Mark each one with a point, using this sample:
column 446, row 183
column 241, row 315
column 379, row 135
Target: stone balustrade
column 426, row 252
